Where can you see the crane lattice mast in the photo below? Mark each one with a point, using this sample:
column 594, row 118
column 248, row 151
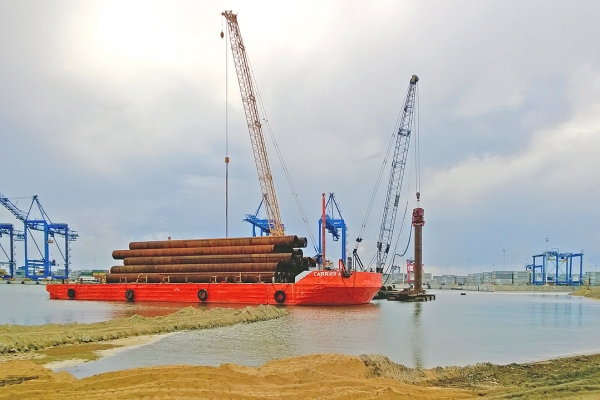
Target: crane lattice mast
column 248, row 92
column 390, row 208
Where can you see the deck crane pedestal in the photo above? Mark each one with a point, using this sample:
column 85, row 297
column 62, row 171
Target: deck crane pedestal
column 249, row 100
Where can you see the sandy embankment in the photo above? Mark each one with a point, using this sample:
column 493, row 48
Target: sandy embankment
column 308, row 377
column 18, row 339
column 116, row 346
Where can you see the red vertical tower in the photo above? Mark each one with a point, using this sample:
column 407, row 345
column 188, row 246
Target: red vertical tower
column 418, row 221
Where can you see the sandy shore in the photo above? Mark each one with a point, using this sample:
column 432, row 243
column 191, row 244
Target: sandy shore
column 18, row 339
column 322, row 376
column 120, row 345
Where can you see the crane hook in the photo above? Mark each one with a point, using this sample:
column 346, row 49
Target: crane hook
column 222, row 34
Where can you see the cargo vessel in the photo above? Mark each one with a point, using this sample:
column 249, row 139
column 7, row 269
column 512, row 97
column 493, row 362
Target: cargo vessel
column 254, row 270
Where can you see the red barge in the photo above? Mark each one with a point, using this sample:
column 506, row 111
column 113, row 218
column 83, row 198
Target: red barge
column 255, row 270
column 316, row 288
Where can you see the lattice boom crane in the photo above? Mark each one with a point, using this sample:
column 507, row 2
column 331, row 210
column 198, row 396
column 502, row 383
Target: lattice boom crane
column 248, row 92
column 396, row 176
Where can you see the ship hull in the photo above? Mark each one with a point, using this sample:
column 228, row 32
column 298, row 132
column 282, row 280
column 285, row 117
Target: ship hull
column 314, row 288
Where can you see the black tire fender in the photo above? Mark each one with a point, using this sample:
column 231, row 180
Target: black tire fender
column 129, row 294
column 71, row 293
column 202, row 295
column 280, row 296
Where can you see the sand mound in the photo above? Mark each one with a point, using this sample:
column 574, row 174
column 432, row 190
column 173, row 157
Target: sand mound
column 314, row 376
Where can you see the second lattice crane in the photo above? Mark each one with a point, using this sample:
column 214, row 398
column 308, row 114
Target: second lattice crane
column 249, row 100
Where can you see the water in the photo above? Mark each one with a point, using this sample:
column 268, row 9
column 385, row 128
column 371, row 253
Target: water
column 452, row 330
column 31, row 305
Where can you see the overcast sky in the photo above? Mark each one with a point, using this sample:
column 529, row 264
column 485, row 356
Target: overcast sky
column 114, row 114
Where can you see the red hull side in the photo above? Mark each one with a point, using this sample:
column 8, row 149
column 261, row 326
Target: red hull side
column 316, row 288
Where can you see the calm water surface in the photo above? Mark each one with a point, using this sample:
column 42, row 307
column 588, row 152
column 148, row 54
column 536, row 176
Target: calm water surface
column 452, row 330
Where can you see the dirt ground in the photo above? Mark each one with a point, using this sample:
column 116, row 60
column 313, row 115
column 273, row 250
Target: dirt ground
column 575, row 377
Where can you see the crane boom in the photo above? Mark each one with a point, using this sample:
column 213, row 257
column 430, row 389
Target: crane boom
column 248, row 92
column 390, row 208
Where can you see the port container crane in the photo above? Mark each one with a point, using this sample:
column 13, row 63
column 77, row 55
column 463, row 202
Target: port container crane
column 49, row 229
column 249, row 101
column 13, row 235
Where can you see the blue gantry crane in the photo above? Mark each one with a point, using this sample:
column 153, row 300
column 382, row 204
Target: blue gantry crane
column 261, row 224
column 41, row 267
column 555, row 268
column 13, row 235
column 334, row 223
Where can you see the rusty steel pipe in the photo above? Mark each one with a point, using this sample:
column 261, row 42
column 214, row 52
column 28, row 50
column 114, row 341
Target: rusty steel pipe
column 216, row 259
column 182, row 268
column 216, row 278
column 199, row 251
column 293, row 241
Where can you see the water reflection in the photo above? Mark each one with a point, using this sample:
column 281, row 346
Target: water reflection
column 31, row 305
column 417, row 336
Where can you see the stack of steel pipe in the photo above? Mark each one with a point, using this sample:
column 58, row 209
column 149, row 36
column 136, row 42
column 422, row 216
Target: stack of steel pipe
column 250, row 259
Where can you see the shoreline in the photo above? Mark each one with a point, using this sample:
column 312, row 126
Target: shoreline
column 120, row 345
column 129, row 343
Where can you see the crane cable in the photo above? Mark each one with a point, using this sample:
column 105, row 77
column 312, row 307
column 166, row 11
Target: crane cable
column 4, row 251
column 226, row 127
column 418, row 149
column 417, row 158
column 280, row 157
column 379, row 177
column 389, row 267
